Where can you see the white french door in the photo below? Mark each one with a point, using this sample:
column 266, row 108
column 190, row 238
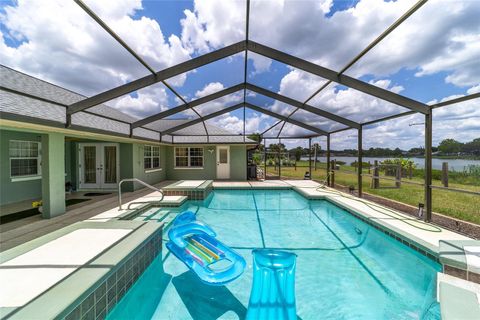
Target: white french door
column 223, row 162
column 99, row 165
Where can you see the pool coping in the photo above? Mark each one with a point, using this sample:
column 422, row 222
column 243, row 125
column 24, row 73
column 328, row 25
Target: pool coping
column 175, row 186
column 88, row 281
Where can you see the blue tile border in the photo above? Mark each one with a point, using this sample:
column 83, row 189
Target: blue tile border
column 103, row 298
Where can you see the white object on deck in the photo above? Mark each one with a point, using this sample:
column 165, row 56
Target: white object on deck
column 472, row 255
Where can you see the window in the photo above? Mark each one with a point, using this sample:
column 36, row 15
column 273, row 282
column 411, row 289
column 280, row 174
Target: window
column 151, row 157
column 189, row 157
column 25, row 158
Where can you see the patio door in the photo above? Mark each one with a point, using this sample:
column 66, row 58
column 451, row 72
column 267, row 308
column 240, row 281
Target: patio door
column 223, row 162
column 99, row 167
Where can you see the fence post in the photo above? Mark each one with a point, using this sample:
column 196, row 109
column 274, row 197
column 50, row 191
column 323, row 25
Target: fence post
column 360, row 161
column 376, row 181
column 369, row 167
column 445, row 174
column 398, row 179
column 410, row 171
column 265, row 159
column 328, row 160
column 332, row 178
column 310, row 157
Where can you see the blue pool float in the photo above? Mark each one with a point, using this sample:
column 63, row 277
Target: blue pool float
column 194, row 243
column 273, row 288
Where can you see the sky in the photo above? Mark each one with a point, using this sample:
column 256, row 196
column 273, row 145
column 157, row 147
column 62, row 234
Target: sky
column 433, row 56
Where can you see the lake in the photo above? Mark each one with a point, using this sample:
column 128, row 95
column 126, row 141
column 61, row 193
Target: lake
column 453, row 164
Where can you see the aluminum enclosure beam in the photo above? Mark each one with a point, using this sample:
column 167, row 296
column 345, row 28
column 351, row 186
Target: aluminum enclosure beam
column 328, row 161
column 428, row 168
column 334, row 76
column 290, row 137
column 302, row 106
column 398, row 115
column 198, row 120
column 157, row 77
column 97, row 19
column 456, row 100
column 184, row 107
column 284, row 118
column 359, row 162
column 271, row 127
column 433, row 106
column 132, row 52
column 236, row 88
column 376, row 41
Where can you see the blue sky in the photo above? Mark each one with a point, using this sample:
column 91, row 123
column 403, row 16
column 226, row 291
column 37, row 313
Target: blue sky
column 430, row 66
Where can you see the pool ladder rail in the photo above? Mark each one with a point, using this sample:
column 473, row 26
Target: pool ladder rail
column 136, row 202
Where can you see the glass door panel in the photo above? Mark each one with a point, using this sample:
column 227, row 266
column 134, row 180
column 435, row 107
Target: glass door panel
column 90, row 164
column 110, row 164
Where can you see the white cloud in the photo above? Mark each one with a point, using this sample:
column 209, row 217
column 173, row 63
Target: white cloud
column 213, row 24
column 474, row 89
column 219, row 103
column 210, row 88
column 148, row 101
column 254, row 123
column 62, row 44
column 442, row 36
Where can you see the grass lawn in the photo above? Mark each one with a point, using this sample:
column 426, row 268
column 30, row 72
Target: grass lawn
column 454, row 204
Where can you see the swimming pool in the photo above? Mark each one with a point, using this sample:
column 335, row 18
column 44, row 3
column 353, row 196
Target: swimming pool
column 346, row 269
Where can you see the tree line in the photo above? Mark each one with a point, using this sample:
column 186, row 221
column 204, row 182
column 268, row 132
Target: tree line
column 445, row 147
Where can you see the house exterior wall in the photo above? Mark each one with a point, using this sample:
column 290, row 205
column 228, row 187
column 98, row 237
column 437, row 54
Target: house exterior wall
column 207, row 172
column 238, row 164
column 148, row 176
column 11, row 192
column 131, row 165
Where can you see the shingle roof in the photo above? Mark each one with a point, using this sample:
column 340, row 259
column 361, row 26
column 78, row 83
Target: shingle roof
column 53, row 99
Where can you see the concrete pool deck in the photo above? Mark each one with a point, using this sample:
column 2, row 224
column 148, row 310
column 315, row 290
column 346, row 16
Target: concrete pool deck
column 106, row 212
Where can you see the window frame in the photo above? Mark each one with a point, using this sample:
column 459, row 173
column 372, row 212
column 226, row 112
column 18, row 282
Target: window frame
column 189, row 158
column 152, row 157
column 36, row 176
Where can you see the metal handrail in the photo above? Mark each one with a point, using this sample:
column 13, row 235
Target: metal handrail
column 139, row 181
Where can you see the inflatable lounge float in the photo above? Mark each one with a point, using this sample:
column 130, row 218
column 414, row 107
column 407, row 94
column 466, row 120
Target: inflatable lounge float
column 273, row 288
column 194, row 243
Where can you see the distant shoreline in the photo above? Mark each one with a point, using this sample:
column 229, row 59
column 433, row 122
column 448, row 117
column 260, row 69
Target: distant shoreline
column 406, row 157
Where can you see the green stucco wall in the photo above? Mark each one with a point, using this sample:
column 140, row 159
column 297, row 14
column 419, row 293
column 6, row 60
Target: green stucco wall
column 11, row 192
column 138, row 170
column 238, row 165
column 131, row 165
column 209, row 166
column 238, row 162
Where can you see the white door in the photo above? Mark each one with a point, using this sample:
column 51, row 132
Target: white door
column 99, row 167
column 223, row 162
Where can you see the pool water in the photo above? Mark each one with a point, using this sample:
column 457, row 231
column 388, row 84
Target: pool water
column 346, row 269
